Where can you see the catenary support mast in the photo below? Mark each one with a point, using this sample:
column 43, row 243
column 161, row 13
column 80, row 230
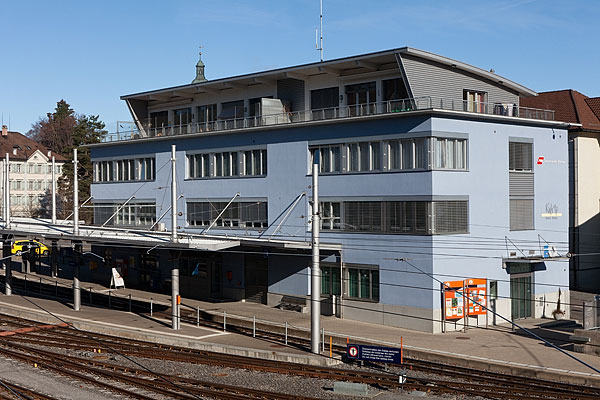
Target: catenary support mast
column 315, row 287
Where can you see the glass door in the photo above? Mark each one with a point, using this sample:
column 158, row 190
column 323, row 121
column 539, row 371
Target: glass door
column 520, row 294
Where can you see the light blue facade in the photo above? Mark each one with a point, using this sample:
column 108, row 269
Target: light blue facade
column 407, row 297
column 378, row 100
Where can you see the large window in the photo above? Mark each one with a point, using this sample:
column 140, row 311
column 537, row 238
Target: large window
column 237, row 215
column 132, row 214
column 449, row 153
column 362, row 282
column 521, row 185
column 228, row 163
column 396, row 217
column 392, row 155
column 133, row 169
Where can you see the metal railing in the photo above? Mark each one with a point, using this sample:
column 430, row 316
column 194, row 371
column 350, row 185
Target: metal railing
column 350, row 111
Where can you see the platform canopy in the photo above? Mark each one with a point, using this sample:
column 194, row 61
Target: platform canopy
column 63, row 230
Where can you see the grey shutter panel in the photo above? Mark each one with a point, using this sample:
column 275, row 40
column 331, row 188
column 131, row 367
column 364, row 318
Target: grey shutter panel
column 521, row 214
column 520, row 184
column 451, row 217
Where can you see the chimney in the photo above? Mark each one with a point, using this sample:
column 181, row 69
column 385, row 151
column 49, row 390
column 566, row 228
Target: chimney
column 4, row 130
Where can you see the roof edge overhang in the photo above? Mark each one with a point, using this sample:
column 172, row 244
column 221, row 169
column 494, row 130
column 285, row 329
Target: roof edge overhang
column 522, row 90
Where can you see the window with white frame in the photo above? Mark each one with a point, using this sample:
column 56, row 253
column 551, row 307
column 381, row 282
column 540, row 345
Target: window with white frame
column 124, row 170
column 420, row 153
column 198, row 165
column 228, row 163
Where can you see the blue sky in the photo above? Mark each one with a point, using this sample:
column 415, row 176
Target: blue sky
column 90, row 53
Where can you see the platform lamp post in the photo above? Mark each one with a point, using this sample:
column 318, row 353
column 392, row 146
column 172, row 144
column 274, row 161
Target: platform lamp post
column 175, row 299
column 77, row 246
column 6, row 191
column 53, row 191
column 315, row 287
column 75, row 196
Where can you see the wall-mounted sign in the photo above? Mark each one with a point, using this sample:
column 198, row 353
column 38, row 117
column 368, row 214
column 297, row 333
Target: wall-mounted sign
column 475, row 290
column 454, row 299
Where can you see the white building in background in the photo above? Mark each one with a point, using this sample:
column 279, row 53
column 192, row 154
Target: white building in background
column 30, row 172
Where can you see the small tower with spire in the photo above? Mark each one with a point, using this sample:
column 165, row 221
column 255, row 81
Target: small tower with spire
column 199, row 69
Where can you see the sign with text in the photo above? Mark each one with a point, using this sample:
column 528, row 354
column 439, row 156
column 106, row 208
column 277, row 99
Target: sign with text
column 373, row 353
column 116, row 279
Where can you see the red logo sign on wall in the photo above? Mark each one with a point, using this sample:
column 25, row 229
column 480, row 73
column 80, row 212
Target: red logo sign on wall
column 540, row 160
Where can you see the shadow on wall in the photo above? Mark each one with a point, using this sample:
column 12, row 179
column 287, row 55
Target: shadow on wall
column 584, row 267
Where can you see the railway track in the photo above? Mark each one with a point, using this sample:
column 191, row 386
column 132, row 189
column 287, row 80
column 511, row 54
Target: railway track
column 464, row 381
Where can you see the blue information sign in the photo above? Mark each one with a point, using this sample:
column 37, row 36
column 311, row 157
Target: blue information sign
column 373, row 353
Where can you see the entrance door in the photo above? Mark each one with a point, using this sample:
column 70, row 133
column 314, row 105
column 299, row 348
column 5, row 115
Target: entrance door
column 520, row 294
column 256, row 277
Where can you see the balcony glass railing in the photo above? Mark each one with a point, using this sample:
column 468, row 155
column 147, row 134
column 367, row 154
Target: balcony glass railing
column 351, row 111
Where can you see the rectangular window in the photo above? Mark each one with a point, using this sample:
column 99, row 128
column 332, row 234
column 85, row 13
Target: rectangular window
column 449, row 153
column 237, row 215
column 362, row 282
column 520, row 156
column 521, row 186
column 132, row 214
column 124, row 170
column 474, row 101
column 331, row 158
column 330, row 280
column 331, row 216
column 396, row 217
column 182, row 116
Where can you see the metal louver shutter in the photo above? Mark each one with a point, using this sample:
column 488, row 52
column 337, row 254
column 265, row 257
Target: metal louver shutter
column 521, row 214
column 520, row 156
column 520, row 184
column 451, row 217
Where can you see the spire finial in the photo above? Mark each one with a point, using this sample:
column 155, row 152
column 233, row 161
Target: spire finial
column 199, row 68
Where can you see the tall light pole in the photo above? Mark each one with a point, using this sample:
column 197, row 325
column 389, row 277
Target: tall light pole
column 75, row 196
column 315, row 287
column 53, row 190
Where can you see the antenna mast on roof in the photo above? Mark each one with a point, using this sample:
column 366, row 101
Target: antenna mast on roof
column 320, row 48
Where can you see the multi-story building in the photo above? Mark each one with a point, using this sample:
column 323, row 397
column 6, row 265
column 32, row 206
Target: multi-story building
column 429, row 172
column 30, row 172
column 584, row 161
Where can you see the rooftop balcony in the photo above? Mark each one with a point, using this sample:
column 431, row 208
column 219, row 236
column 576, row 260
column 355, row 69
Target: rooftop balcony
column 359, row 110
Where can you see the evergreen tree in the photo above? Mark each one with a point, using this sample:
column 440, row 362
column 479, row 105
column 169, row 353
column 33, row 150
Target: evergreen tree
column 62, row 131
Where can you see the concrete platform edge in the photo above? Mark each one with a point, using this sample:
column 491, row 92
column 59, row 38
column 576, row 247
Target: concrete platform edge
column 171, row 339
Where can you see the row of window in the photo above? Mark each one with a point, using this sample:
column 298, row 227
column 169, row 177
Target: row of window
column 30, row 185
column 397, row 217
column 237, row 215
column 25, row 200
column 34, row 168
column 133, row 214
column 135, row 169
column 360, row 282
column 228, row 163
column 393, row 155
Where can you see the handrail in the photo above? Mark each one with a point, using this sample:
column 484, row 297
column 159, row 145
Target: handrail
column 356, row 110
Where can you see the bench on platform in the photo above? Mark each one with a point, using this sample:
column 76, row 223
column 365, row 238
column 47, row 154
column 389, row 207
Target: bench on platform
column 293, row 303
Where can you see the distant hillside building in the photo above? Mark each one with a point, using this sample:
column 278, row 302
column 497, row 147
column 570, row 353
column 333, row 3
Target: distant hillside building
column 584, row 185
column 30, row 172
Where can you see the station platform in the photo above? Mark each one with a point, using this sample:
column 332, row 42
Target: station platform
column 495, row 348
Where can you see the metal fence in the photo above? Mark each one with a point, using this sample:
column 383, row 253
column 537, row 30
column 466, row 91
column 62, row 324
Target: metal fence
column 350, row 111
